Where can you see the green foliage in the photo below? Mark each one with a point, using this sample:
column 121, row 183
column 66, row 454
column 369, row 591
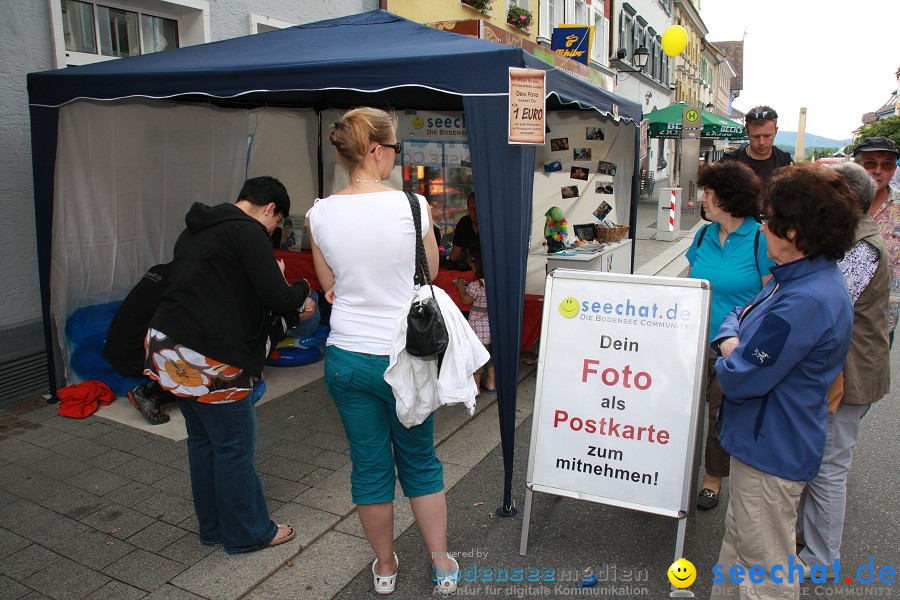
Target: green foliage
column 483, row 6
column 889, row 128
column 519, row 17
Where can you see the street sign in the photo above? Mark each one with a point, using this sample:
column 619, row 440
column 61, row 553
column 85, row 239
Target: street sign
column 691, row 129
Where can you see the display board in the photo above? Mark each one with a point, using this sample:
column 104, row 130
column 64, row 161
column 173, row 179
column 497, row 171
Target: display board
column 619, row 389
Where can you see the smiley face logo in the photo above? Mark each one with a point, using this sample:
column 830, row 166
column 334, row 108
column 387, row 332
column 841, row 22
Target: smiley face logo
column 568, row 307
column 682, row 573
column 417, row 122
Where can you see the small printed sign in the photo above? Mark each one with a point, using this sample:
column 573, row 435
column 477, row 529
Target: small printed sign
column 527, row 106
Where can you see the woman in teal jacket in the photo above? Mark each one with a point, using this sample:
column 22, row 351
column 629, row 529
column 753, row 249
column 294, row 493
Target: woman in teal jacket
column 730, row 253
column 779, row 354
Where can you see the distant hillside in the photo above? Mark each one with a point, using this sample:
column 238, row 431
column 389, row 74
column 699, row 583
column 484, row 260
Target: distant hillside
column 789, row 138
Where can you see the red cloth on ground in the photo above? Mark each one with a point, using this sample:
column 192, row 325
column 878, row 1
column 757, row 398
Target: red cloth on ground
column 81, row 400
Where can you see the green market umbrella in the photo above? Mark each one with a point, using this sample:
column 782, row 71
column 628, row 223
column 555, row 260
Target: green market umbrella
column 666, row 123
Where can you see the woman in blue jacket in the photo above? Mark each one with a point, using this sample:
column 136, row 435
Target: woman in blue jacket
column 779, row 355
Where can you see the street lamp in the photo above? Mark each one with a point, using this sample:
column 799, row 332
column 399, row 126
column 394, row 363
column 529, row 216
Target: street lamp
column 639, row 59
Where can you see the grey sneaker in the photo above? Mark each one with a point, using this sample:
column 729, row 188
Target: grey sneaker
column 147, row 405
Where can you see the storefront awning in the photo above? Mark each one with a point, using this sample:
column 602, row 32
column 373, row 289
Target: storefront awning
column 666, row 123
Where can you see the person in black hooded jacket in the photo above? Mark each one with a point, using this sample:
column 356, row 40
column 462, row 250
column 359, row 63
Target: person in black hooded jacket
column 206, row 344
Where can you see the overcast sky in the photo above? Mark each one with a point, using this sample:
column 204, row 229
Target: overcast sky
column 837, row 59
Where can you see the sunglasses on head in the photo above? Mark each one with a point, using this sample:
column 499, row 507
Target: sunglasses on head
column 764, row 115
column 396, row 147
column 761, row 218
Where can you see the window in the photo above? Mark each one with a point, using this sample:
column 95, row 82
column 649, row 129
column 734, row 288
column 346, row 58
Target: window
column 581, row 13
column 601, row 34
column 519, row 3
column 119, row 31
column 557, row 13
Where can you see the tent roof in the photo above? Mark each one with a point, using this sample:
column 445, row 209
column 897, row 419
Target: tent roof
column 323, row 63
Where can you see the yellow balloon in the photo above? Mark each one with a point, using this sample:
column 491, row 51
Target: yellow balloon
column 674, row 40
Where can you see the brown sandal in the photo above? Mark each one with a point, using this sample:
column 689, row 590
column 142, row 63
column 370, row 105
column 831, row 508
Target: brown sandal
column 291, row 534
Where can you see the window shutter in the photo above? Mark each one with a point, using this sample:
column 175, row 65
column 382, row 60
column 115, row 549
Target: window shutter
column 621, row 40
column 544, row 29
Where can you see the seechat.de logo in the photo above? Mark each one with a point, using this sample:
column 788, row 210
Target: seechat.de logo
column 569, row 307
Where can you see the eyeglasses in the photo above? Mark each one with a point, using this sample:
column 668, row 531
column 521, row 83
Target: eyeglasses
column 397, row 147
column 762, row 218
column 769, row 115
column 872, row 164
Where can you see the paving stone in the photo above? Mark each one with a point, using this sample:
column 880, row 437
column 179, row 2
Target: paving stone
column 289, row 449
column 170, row 592
column 49, row 529
column 316, row 477
column 108, row 458
column 20, row 452
column 330, row 460
column 144, row 570
column 6, row 497
column 97, row 481
column 28, row 561
column 96, row 429
column 187, row 550
column 177, row 483
column 143, row 470
column 126, row 439
column 131, row 494
column 118, row 521
column 116, row 590
column 73, row 502
column 162, row 452
column 281, row 489
column 338, row 503
column 309, row 523
column 156, row 537
column 94, row 549
column 10, row 543
column 45, row 437
column 222, row 576
column 320, row 571
column 66, row 424
column 59, row 466
column 190, row 524
column 165, row 507
column 36, row 596
column 181, row 463
column 27, row 484
column 81, row 449
column 328, row 441
column 16, row 513
column 286, row 468
column 12, row 590
column 67, row 579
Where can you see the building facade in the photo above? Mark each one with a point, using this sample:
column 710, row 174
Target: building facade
column 50, row 34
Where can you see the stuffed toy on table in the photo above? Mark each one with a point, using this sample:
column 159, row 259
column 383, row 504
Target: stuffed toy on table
column 555, row 229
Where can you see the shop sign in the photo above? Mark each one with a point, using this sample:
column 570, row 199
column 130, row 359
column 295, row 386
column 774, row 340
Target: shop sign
column 527, row 106
column 573, row 42
column 424, row 125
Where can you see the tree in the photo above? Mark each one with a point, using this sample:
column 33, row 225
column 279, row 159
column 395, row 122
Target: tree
column 889, row 128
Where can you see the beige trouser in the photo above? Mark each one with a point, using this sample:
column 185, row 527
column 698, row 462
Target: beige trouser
column 759, row 530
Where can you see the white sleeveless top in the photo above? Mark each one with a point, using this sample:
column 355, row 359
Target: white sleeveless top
column 367, row 240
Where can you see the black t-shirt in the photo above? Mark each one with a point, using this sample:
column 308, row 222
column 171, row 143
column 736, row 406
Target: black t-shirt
column 765, row 168
column 464, row 235
column 124, row 348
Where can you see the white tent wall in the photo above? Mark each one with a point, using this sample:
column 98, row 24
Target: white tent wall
column 126, row 173
column 284, row 146
column 617, row 148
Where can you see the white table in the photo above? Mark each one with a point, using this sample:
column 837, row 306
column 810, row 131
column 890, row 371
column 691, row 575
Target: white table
column 612, row 258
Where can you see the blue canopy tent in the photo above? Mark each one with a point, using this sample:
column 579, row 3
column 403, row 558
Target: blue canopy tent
column 375, row 58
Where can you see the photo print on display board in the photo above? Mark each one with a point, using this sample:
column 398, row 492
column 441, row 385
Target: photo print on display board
column 593, row 133
column 601, row 211
column 579, row 173
column 606, row 168
column 557, row 144
column 581, row 154
column 604, row 188
column 569, row 191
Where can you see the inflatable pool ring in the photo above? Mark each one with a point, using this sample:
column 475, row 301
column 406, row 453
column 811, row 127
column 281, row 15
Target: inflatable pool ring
column 89, row 364
column 294, row 352
column 293, row 357
column 91, row 321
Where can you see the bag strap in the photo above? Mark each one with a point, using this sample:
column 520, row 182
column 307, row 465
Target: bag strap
column 756, row 251
column 702, row 235
column 421, row 261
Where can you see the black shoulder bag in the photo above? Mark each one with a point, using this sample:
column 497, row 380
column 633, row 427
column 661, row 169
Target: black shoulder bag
column 426, row 333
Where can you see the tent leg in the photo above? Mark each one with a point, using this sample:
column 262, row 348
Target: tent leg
column 526, row 522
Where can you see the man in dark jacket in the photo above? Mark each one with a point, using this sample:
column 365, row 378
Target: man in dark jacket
column 124, row 347
column 760, row 154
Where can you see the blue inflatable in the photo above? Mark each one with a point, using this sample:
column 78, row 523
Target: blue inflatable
column 91, row 321
column 293, row 352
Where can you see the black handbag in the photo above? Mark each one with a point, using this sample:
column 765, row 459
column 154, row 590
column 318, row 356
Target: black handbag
column 426, row 332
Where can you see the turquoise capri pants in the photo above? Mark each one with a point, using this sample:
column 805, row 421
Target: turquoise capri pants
column 378, row 441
